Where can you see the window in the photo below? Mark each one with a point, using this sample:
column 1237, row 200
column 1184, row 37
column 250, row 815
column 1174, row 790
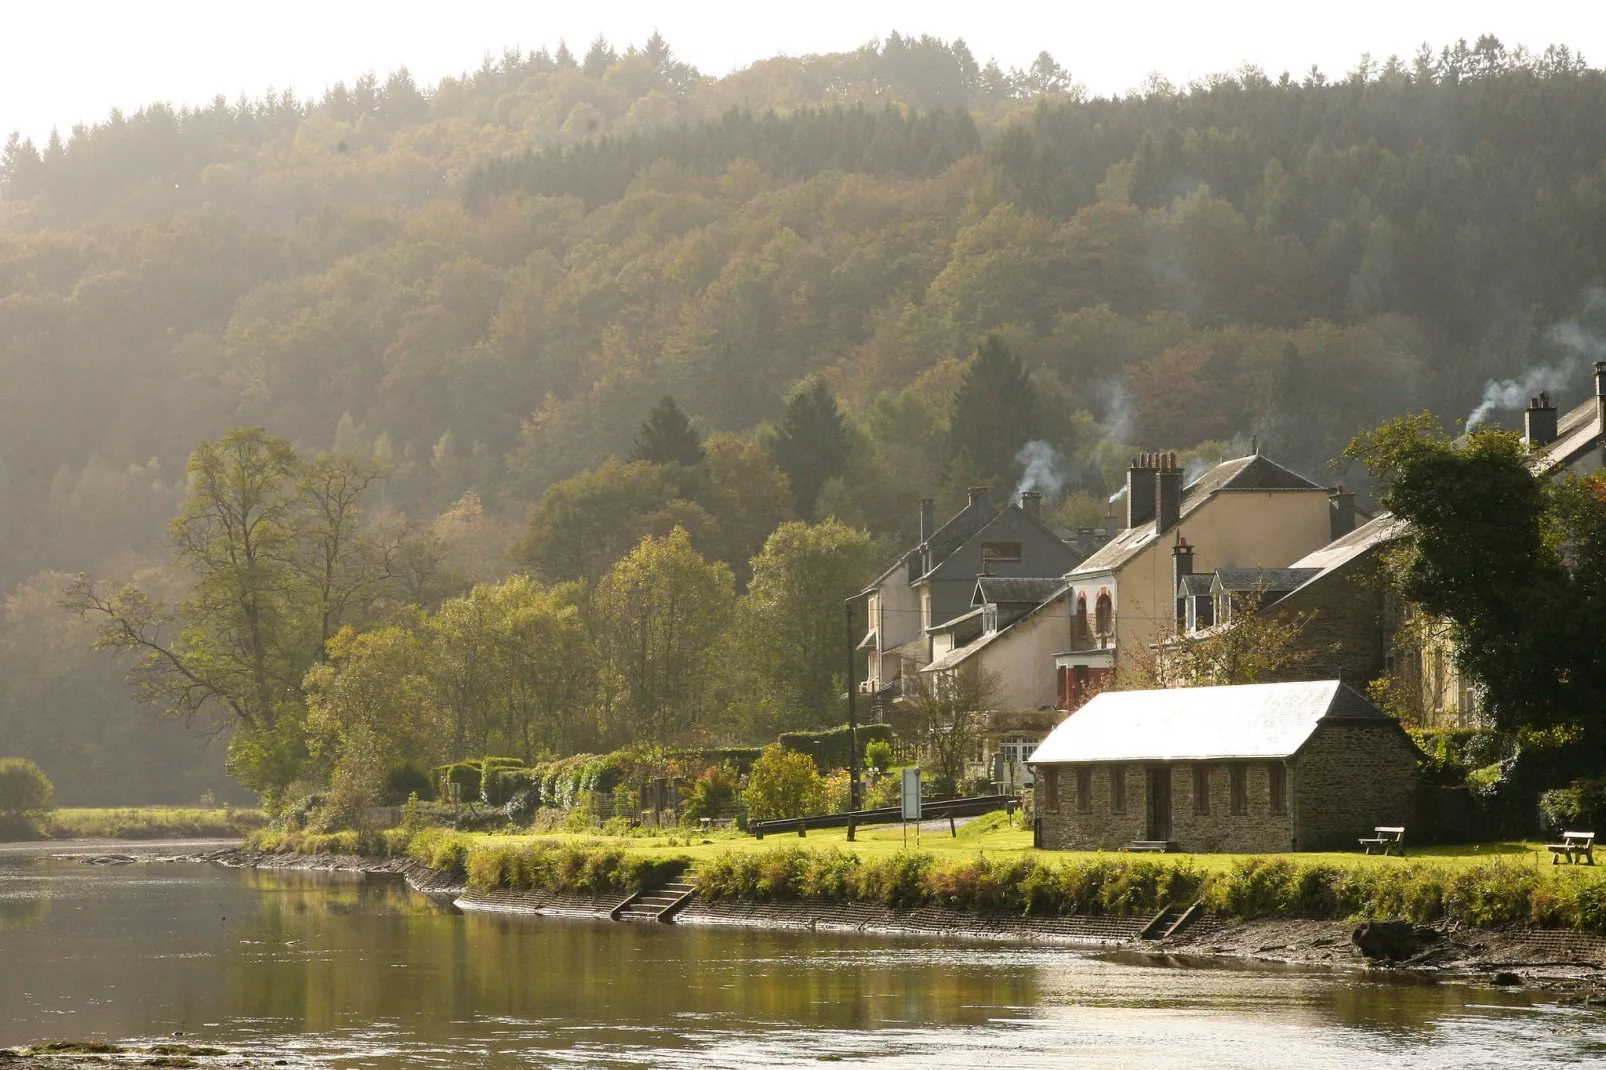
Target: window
column 1051, row 789
column 1117, row 791
column 989, row 618
column 1240, row 790
column 1201, row 789
column 1079, row 622
column 1103, row 613
column 1084, row 790
column 1000, row 551
column 1279, row 787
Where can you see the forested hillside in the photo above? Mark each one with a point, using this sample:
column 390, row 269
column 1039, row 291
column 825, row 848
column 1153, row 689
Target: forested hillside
column 486, row 285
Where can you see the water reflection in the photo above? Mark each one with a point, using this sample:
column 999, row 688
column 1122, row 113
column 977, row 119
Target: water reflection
column 354, row 972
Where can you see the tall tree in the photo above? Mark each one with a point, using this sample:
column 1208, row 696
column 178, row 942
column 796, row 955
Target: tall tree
column 1515, row 562
column 791, row 622
column 660, row 614
column 667, row 437
column 994, row 411
column 811, row 443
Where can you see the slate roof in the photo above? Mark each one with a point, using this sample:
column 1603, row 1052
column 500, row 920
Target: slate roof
column 1576, row 434
column 1015, row 589
column 1261, row 579
column 1193, row 584
column 1247, row 721
column 1254, row 472
column 960, row 654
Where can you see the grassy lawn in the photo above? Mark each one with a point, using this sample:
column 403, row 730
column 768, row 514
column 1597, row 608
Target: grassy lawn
column 994, row 835
column 150, row 822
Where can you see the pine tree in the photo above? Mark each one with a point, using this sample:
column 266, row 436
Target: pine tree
column 811, row 443
column 666, row 437
column 994, row 411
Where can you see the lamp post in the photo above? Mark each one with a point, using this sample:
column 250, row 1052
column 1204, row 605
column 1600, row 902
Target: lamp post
column 853, row 721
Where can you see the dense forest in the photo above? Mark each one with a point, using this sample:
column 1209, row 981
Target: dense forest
column 485, row 287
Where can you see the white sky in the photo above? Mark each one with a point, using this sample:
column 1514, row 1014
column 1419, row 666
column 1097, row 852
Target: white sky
column 68, row 61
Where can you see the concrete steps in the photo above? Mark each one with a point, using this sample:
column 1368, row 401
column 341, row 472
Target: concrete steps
column 661, row 904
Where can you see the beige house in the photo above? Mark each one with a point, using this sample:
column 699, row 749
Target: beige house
column 1244, row 513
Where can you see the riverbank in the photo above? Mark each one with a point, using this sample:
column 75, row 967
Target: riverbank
column 141, row 823
column 1567, row 961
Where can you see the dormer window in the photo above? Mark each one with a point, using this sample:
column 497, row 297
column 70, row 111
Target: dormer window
column 989, row 618
column 1000, row 551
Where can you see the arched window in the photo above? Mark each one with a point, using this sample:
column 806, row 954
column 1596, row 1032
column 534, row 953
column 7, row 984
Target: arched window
column 1081, row 616
column 1104, row 614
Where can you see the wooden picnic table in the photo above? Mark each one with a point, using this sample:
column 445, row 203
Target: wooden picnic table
column 1385, row 838
column 1573, row 845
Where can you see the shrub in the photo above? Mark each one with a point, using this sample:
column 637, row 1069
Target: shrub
column 24, row 788
column 712, row 795
column 404, row 781
column 783, row 783
column 547, row 865
column 1580, row 805
column 878, row 755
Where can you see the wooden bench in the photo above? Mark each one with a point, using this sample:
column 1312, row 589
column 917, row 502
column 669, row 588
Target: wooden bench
column 1574, row 845
column 1385, row 838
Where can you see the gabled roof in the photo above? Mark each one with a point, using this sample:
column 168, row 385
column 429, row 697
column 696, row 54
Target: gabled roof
column 995, row 589
column 947, row 540
column 980, row 532
column 1378, row 531
column 1254, row 472
column 1247, row 721
column 958, row 655
column 1260, row 579
column 1194, row 584
column 1576, row 434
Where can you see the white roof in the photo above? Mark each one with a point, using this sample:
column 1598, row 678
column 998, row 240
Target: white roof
column 1200, row 723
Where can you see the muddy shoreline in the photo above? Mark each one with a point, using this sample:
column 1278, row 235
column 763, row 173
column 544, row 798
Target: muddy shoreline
column 1571, row 963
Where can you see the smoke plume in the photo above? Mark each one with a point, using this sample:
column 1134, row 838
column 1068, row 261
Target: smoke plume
column 1584, row 345
column 1044, row 469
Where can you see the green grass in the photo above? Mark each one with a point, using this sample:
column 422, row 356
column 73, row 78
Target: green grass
column 151, row 823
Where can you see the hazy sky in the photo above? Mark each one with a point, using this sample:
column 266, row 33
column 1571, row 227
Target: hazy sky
column 68, row 62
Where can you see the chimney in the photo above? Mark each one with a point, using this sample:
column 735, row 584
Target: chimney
column 978, row 497
column 928, row 518
column 1167, row 494
column 1539, row 421
column 1341, row 509
column 1181, row 565
column 1600, row 394
column 1140, row 490
column 1031, row 504
column 1112, row 524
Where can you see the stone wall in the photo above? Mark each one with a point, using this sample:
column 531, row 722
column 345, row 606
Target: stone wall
column 1350, row 778
column 1065, row 828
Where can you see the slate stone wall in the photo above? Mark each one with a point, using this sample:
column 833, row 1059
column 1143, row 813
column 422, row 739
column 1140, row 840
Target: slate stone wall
column 1350, row 778
column 1101, row 827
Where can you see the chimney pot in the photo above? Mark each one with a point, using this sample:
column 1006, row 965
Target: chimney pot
column 1031, row 503
column 979, row 497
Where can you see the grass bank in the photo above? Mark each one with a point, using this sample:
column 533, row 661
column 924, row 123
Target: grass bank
column 151, row 823
column 987, row 868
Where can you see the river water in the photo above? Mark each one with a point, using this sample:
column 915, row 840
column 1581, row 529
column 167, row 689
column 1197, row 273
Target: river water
column 333, row 970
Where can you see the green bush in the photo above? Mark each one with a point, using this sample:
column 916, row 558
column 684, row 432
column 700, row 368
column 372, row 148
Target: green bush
column 832, row 748
column 878, row 755
column 404, row 781
column 783, row 783
column 24, row 788
column 711, row 795
column 1580, row 806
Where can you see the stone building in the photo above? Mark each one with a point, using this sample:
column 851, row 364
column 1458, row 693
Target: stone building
column 1252, row 768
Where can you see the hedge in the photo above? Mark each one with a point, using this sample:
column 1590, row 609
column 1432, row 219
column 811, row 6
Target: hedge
column 832, row 748
column 548, row 865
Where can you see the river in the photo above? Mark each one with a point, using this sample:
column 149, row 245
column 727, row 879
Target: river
column 333, row 970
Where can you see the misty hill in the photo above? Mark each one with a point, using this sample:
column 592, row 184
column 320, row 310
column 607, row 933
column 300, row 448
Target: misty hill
column 488, row 283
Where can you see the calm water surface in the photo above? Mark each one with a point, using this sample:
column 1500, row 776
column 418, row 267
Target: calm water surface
column 335, row 971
